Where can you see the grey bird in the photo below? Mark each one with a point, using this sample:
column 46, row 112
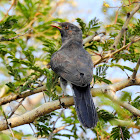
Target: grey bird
column 74, row 65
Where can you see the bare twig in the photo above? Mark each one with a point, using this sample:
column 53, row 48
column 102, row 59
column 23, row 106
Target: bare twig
column 8, row 123
column 54, row 123
column 60, row 128
column 116, row 17
column 32, row 129
column 13, row 2
column 121, row 133
column 16, row 108
column 124, row 40
column 44, row 96
column 109, row 55
column 130, row 15
column 125, row 5
column 94, row 37
column 136, row 69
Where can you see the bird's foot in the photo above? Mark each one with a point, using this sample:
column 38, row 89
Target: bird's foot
column 62, row 104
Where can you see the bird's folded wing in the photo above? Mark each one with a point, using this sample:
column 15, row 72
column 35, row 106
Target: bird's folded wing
column 75, row 68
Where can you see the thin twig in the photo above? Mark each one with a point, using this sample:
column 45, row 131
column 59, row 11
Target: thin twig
column 129, row 16
column 124, row 39
column 13, row 2
column 124, row 5
column 53, row 128
column 44, row 96
column 60, row 128
column 136, row 69
column 116, row 17
column 32, row 129
column 109, row 55
column 8, row 123
column 121, row 133
column 94, row 37
column 16, row 108
column 40, row 84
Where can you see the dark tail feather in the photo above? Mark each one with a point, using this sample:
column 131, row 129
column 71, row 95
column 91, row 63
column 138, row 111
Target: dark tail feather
column 84, row 105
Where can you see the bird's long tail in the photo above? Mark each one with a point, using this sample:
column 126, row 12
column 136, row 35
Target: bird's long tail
column 84, row 105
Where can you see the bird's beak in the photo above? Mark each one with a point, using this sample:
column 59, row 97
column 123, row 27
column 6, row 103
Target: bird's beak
column 56, row 25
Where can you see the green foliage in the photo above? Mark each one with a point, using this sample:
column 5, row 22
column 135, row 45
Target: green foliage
column 105, row 115
column 52, row 81
column 136, row 102
column 136, row 29
column 6, row 28
column 126, row 96
column 44, row 125
column 27, row 9
column 121, row 67
column 119, row 133
column 50, row 48
column 4, row 136
column 7, row 24
column 93, row 25
column 101, row 74
column 132, row 54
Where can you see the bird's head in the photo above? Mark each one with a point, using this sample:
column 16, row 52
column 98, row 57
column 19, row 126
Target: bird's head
column 68, row 31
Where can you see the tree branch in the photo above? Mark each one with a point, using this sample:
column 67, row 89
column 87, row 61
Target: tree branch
column 109, row 55
column 68, row 101
column 129, row 16
column 29, row 117
column 118, row 37
column 136, row 69
column 24, row 94
column 124, row 123
column 94, row 38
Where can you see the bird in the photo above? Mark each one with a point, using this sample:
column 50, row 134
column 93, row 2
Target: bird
column 75, row 67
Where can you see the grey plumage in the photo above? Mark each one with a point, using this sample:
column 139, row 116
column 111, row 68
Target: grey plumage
column 73, row 64
column 85, row 108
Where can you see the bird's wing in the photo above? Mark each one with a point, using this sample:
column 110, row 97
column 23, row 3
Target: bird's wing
column 74, row 64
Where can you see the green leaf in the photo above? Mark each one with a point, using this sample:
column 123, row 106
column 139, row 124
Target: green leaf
column 136, row 28
column 118, row 133
column 126, row 96
column 13, row 72
column 105, row 115
column 23, row 9
column 29, row 56
column 94, row 23
column 82, row 24
column 11, row 86
column 10, row 21
column 136, row 102
column 121, row 67
column 101, row 74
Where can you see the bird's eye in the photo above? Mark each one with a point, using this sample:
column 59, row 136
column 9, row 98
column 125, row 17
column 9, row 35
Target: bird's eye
column 66, row 27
